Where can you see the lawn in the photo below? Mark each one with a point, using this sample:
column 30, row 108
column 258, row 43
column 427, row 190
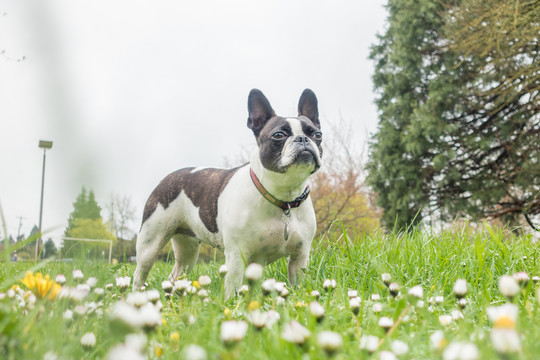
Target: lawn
column 96, row 316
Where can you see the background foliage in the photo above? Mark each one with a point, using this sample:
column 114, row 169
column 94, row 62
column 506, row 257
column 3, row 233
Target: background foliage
column 458, row 87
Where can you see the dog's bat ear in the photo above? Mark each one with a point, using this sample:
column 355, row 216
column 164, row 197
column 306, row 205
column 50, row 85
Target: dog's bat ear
column 259, row 110
column 308, row 107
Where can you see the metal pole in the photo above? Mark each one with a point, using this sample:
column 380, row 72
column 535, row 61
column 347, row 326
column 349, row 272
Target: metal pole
column 38, row 242
column 110, row 252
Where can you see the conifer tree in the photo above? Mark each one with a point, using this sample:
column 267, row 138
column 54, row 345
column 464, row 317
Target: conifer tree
column 458, row 91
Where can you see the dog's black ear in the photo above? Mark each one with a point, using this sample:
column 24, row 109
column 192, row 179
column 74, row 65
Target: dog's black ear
column 308, row 107
column 259, row 110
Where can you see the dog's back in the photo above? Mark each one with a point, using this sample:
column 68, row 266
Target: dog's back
column 202, row 186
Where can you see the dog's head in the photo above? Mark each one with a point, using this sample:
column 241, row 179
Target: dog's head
column 286, row 142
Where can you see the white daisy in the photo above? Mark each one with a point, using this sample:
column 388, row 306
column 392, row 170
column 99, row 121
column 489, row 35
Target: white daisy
column 505, row 340
column 78, row 275
column 258, row 318
column 167, row 286
column 329, row 341
column 387, row 355
column 369, row 343
column 386, row 323
column 354, row 305
column 437, row 340
column 399, row 347
column 88, row 340
column 137, row 299
column 329, row 284
column 393, row 288
column 268, row 286
column 194, row 352
column 416, row 292
column 60, row 279
column 522, row 278
column 316, row 310
column 295, row 333
column 233, row 331
column 91, row 281
column 123, row 282
column 254, row 272
column 204, row 280
column 460, row 288
column 461, row 351
column 445, row 319
column 508, row 286
column 223, row 270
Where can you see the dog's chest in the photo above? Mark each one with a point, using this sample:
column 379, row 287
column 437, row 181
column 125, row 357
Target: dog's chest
column 259, row 228
column 271, row 238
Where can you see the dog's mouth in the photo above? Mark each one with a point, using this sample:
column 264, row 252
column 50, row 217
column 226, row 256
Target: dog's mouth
column 307, row 156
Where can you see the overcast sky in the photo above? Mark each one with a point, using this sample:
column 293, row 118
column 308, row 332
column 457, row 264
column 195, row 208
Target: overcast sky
column 130, row 91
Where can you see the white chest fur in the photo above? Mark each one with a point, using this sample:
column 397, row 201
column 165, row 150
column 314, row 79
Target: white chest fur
column 255, row 226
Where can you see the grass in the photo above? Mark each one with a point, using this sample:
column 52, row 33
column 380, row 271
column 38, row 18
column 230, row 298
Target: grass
column 433, row 261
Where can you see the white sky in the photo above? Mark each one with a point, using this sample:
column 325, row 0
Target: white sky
column 130, row 91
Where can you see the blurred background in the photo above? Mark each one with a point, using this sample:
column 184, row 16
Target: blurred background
column 430, row 109
column 129, row 91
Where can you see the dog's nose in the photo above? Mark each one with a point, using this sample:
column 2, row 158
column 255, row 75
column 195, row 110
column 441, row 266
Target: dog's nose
column 301, row 139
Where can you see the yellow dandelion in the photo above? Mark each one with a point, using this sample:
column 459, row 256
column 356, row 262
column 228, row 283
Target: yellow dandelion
column 505, row 322
column 253, row 305
column 300, row 304
column 42, row 287
column 196, row 284
column 158, row 350
column 163, row 321
column 227, row 312
column 175, row 337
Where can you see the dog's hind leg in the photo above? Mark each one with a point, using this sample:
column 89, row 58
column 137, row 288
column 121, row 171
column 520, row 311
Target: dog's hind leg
column 186, row 253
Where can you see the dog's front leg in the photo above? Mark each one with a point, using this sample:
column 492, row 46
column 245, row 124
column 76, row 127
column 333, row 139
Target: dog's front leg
column 235, row 274
column 296, row 267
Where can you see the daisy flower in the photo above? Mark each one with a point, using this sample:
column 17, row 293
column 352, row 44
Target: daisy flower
column 329, row 341
column 194, row 352
column 88, row 340
column 508, row 286
column 233, row 331
column 295, row 333
column 316, row 310
column 254, row 272
column 460, row 288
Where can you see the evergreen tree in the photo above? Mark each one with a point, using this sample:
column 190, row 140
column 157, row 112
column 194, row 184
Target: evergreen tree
column 405, row 63
column 84, row 207
column 85, row 222
column 458, row 95
column 49, row 249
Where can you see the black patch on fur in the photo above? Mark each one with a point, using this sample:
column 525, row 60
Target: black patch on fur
column 260, row 111
column 183, row 231
column 202, row 187
column 309, row 128
column 308, row 106
column 270, row 149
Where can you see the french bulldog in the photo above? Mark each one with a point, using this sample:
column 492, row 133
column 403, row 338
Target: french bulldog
column 258, row 212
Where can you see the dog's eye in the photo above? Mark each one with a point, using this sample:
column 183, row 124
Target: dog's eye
column 317, row 135
column 279, row 135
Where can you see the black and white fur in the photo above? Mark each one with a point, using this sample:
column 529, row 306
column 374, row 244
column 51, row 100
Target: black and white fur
column 222, row 207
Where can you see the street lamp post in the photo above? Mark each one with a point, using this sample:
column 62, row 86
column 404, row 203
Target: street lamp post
column 43, row 144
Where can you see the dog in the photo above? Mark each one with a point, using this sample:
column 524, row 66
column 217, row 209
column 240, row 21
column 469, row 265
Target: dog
column 258, row 212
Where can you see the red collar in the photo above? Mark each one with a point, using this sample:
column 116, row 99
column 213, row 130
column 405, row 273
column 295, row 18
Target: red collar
column 284, row 205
